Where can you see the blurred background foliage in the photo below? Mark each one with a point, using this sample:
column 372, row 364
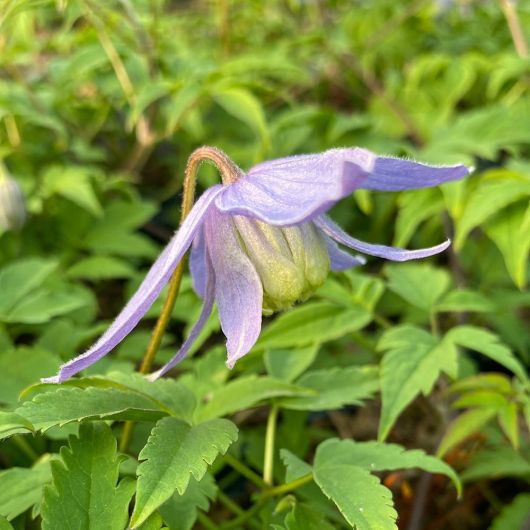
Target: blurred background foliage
column 101, row 103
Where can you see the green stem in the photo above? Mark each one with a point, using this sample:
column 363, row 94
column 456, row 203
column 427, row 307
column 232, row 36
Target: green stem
column 206, row 521
column 288, row 486
column 25, row 447
column 229, row 503
column 515, row 27
column 245, row 471
column 234, row 508
column 435, row 328
column 270, row 437
column 264, row 497
column 244, row 517
column 382, row 321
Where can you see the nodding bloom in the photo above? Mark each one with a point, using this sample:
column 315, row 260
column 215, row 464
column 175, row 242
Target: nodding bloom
column 261, row 242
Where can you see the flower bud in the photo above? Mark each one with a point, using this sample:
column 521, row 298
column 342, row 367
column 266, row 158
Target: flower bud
column 12, row 206
column 291, row 262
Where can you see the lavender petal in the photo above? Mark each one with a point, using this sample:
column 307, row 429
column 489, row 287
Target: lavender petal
column 198, row 263
column 146, row 294
column 396, row 174
column 295, row 189
column 238, row 289
column 339, row 259
column 197, row 327
column 392, row 253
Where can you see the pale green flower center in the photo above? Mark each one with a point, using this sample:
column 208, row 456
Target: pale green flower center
column 291, row 262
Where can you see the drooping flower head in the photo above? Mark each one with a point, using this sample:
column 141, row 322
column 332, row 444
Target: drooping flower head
column 261, row 242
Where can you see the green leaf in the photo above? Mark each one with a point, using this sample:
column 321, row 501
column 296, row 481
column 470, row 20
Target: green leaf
column 489, row 345
column 153, row 522
column 509, row 421
column 312, row 323
column 482, row 132
column 296, row 467
column 510, row 231
column 411, row 365
column 418, row 283
column 514, row 515
column 20, row 278
column 173, row 453
column 363, row 501
column 101, row 268
column 463, row 426
column 375, row 456
column 114, row 233
column 84, row 493
column 180, row 103
column 22, row 367
column 287, row 365
column 410, row 216
column 303, row 517
column 44, row 304
column 464, row 300
column 147, row 94
column 11, row 423
column 497, row 188
column 73, row 183
column 170, row 392
column 244, row 393
column 334, row 388
column 180, row 511
column 4, row 524
column 64, row 405
column 497, row 462
column 244, row 106
column 21, row 488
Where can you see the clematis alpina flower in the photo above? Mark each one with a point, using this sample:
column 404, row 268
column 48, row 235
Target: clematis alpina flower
column 261, row 242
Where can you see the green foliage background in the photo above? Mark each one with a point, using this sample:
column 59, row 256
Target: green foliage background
column 101, row 103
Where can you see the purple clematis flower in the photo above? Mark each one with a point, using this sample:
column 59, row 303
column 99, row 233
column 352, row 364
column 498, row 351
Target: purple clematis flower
column 261, row 242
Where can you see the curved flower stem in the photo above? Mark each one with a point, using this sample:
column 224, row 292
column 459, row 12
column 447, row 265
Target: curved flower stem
column 270, row 437
column 229, row 173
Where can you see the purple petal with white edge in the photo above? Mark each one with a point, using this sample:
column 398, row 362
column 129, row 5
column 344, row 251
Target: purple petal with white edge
column 339, row 259
column 197, row 327
column 392, row 253
column 198, row 264
column 291, row 190
column 396, row 174
column 238, row 289
column 146, row 294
